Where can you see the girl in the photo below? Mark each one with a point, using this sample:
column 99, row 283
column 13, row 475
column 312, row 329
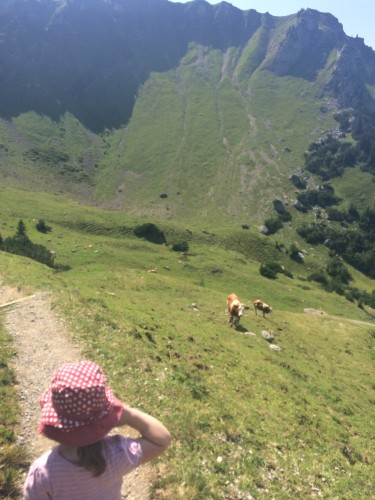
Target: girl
column 78, row 411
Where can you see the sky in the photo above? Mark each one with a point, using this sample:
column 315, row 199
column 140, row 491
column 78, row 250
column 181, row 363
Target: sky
column 356, row 16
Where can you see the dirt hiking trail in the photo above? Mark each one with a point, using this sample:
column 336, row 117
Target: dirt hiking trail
column 43, row 343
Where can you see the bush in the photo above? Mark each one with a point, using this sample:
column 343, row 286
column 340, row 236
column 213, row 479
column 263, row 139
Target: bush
column 298, row 181
column 20, row 244
column 338, row 271
column 323, row 197
column 285, row 216
column 270, row 270
column 335, row 285
column 335, row 215
column 349, row 296
column 319, row 277
column 329, row 157
column 313, row 234
column 355, row 292
column 42, row 227
column 183, row 246
column 150, row 232
column 273, row 225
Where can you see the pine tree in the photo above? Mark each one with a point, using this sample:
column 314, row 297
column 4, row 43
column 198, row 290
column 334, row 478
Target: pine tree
column 21, row 229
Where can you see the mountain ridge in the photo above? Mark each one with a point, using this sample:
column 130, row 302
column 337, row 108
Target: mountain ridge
column 173, row 110
column 62, row 56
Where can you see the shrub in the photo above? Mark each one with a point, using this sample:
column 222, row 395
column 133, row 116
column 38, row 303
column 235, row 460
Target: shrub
column 42, row 227
column 270, row 270
column 182, row 246
column 285, row 216
column 335, row 285
column 335, row 215
column 20, row 244
column 324, row 197
column 150, row 232
column 313, row 234
column 298, row 181
column 349, row 296
column 355, row 292
column 319, row 277
column 338, row 271
column 273, row 225
column 329, row 157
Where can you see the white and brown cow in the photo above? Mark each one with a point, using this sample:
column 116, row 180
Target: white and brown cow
column 235, row 309
column 259, row 305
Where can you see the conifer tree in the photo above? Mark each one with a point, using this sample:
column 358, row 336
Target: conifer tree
column 21, row 229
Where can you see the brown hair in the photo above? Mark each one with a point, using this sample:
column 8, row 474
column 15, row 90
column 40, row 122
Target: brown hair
column 91, row 458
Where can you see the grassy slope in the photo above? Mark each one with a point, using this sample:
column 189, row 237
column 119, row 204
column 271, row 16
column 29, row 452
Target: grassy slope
column 284, row 424
column 215, row 146
column 218, row 136
column 38, row 154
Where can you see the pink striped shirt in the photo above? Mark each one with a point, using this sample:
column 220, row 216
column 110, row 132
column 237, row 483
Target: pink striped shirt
column 52, row 476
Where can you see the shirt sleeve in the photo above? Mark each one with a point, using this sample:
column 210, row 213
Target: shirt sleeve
column 124, row 454
column 133, row 451
column 36, row 486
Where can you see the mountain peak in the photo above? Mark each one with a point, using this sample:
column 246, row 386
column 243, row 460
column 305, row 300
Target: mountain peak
column 94, row 54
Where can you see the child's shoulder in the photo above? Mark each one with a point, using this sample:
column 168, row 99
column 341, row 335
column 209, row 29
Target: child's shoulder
column 114, row 440
column 43, row 460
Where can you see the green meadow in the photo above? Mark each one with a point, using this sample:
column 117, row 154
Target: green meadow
column 246, row 420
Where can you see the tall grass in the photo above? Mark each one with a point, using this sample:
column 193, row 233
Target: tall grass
column 13, row 458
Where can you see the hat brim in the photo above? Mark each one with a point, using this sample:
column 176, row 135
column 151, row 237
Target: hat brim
column 86, row 434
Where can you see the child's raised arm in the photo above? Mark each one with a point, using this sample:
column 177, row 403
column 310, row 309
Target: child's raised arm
column 155, row 437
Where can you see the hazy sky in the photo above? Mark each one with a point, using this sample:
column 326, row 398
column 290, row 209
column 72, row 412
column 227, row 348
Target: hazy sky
column 356, row 16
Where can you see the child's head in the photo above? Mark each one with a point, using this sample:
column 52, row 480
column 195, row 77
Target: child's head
column 78, row 408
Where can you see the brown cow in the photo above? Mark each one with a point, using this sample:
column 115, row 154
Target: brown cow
column 259, row 305
column 235, row 309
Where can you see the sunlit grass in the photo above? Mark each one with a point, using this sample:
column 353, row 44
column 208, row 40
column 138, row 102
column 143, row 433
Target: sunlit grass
column 13, row 458
column 245, row 419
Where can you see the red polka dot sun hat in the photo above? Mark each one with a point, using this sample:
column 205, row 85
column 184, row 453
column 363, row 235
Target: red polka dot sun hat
column 78, row 408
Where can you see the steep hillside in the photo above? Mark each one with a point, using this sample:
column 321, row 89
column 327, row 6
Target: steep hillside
column 171, row 110
column 282, row 418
